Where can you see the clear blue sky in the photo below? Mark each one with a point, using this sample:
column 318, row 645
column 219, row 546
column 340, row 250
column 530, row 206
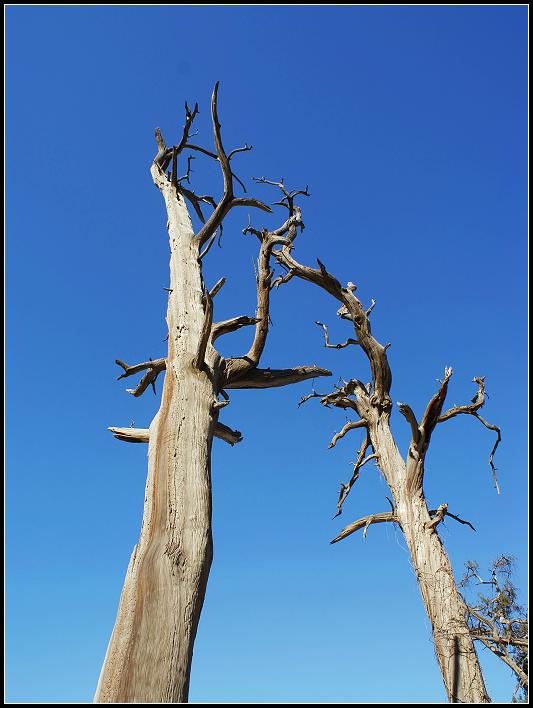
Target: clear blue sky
column 410, row 126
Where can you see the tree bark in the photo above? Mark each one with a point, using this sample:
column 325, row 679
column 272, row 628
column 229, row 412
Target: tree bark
column 446, row 611
column 150, row 651
column 454, row 647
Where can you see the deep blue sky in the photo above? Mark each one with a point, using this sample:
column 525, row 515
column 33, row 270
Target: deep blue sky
column 410, row 126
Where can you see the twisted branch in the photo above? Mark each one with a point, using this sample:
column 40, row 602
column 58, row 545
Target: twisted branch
column 352, row 309
column 477, row 402
column 334, row 346
column 360, row 462
column 228, row 200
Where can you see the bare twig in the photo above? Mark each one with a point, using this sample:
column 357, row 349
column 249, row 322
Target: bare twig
column 477, row 402
column 361, row 460
column 228, row 200
column 335, row 346
column 350, row 425
column 216, row 287
column 442, row 512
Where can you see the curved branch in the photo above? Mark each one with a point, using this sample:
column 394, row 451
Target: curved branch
column 228, row 199
column 360, row 462
column 352, row 309
column 477, row 402
column 350, row 425
column 236, row 367
column 335, row 346
column 433, row 410
column 408, row 414
column 365, row 522
column 220, row 328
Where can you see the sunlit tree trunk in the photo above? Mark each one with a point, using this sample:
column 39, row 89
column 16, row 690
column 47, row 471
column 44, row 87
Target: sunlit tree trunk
column 149, row 656
column 148, row 659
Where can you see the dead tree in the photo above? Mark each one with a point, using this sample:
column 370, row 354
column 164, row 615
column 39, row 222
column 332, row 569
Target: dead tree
column 149, row 655
column 372, row 405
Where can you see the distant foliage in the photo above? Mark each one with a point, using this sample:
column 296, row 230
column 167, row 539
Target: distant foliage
column 498, row 621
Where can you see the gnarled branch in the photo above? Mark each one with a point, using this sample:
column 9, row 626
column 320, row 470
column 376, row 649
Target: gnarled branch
column 223, row 432
column 226, row 326
column 228, row 200
column 477, row 402
column 439, row 515
column 237, row 367
column 352, row 309
column 272, row 378
column 360, row 462
column 364, row 523
column 153, row 369
column 334, row 346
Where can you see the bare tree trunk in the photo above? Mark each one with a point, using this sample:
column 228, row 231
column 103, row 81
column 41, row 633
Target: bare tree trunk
column 445, row 608
column 149, row 656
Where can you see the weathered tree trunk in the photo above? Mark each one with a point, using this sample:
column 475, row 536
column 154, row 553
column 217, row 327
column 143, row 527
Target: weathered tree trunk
column 149, row 655
column 445, row 609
